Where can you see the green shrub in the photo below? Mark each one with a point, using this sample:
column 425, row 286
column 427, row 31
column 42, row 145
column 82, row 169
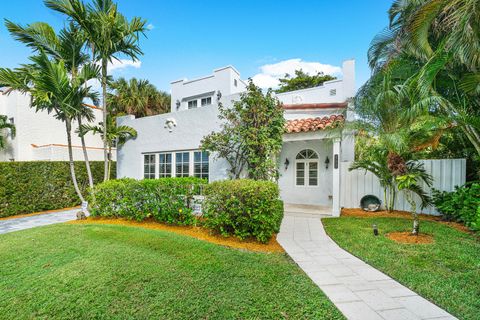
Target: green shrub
column 462, row 205
column 166, row 200
column 243, row 208
column 27, row 187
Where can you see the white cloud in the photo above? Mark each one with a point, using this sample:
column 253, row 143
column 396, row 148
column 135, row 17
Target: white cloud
column 270, row 73
column 150, row 26
column 123, row 64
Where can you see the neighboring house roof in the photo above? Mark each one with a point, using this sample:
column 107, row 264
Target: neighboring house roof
column 63, row 146
column 92, row 106
column 314, row 124
column 303, row 106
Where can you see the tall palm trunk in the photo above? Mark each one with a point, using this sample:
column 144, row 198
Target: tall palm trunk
column 85, row 155
column 109, row 160
column 68, row 124
column 104, row 109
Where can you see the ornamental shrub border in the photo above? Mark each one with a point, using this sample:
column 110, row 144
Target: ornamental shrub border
column 240, row 208
column 33, row 186
column 243, row 208
column 168, row 200
column 461, row 205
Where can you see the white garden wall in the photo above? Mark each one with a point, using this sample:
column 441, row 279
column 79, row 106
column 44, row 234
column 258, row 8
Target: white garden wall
column 446, row 173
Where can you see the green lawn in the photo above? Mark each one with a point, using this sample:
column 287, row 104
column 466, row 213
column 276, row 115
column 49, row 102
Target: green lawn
column 446, row 272
column 106, row 271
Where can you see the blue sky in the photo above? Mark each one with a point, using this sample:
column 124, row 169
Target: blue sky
column 189, row 39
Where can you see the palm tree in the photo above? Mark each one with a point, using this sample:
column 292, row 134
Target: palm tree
column 137, row 97
column 409, row 183
column 116, row 135
column 5, row 125
column 443, row 37
column 109, row 34
column 395, row 130
column 67, row 46
column 52, row 89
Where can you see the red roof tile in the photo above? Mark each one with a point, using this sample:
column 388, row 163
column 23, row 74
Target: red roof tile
column 314, row 124
column 315, row 106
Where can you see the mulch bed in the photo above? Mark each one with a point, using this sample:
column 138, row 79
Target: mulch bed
column 407, row 237
column 195, row 232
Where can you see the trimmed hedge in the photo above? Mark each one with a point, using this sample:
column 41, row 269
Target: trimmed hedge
column 243, row 208
column 462, row 205
column 27, row 187
column 165, row 200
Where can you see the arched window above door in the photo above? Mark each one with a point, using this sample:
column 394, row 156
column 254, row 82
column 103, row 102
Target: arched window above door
column 306, row 168
column 307, row 154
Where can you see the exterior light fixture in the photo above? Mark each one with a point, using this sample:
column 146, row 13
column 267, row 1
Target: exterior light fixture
column 219, row 95
column 178, row 104
column 375, row 230
column 286, row 163
column 327, row 162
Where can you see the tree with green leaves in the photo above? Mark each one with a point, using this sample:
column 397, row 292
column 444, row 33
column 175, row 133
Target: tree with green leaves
column 302, row 80
column 67, row 46
column 5, row 128
column 116, row 135
column 109, row 35
column 409, row 183
column 443, row 38
column 391, row 132
column 52, row 89
column 251, row 134
column 137, row 97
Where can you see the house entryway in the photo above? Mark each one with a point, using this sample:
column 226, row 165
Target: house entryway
column 307, row 211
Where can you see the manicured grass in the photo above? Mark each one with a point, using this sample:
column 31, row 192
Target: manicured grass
column 118, row 272
column 446, row 272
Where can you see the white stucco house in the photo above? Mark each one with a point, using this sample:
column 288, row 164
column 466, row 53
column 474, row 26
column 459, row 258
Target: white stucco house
column 41, row 137
column 168, row 145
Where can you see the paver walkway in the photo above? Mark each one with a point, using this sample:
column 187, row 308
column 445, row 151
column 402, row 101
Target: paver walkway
column 15, row 224
column 358, row 290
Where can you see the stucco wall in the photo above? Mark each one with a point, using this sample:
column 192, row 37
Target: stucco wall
column 153, row 137
column 222, row 79
column 41, row 129
column 291, row 193
column 339, row 90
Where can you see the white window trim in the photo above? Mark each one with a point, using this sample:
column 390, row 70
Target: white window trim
column 157, row 174
column 201, row 163
column 156, row 164
column 306, row 173
column 205, row 105
column 196, row 100
column 191, row 162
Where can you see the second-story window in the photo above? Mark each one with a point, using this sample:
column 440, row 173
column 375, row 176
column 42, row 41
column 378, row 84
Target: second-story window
column 192, row 104
column 206, row 101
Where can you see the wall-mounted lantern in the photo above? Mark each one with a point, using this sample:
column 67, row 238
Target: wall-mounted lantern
column 286, row 163
column 327, row 162
column 219, row 95
column 178, row 104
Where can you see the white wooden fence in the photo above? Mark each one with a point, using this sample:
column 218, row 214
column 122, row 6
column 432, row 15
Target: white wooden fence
column 446, row 173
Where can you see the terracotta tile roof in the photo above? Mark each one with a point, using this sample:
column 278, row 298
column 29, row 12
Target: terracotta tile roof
column 315, row 106
column 92, row 106
column 314, row 124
